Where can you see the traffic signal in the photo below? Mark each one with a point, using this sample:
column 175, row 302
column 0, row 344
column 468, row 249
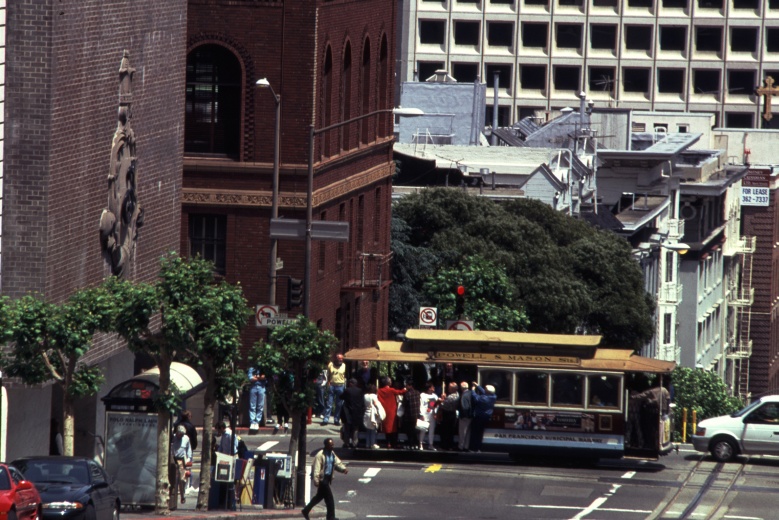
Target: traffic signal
column 294, row 293
column 459, row 301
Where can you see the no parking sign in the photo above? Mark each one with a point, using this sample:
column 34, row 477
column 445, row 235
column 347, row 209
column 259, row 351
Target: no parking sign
column 428, row 316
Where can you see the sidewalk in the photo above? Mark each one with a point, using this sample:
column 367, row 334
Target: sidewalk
column 246, row 514
column 314, row 433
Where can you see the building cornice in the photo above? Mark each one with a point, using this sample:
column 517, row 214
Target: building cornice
column 289, row 200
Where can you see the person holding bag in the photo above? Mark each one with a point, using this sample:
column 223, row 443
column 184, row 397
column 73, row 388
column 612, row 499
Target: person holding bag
column 374, row 415
column 388, row 397
column 429, row 407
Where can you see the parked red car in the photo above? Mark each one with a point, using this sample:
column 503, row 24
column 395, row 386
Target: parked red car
column 19, row 500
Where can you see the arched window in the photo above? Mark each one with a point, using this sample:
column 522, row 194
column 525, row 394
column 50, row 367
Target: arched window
column 346, row 96
column 384, row 84
column 365, row 95
column 213, row 103
column 327, row 102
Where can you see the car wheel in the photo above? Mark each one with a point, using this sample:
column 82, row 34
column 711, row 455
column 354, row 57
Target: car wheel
column 11, row 515
column 89, row 513
column 723, row 450
column 115, row 512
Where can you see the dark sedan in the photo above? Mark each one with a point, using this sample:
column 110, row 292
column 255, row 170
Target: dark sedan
column 71, row 488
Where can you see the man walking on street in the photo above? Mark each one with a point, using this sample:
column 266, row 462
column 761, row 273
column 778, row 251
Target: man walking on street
column 336, row 377
column 325, row 462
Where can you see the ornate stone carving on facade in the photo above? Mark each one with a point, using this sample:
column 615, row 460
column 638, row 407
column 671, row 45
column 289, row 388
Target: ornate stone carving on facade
column 120, row 221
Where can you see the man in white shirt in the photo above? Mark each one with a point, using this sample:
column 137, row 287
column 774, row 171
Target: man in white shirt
column 182, row 454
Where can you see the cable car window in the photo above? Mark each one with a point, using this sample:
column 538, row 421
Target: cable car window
column 567, row 389
column 501, row 380
column 532, row 387
column 604, row 391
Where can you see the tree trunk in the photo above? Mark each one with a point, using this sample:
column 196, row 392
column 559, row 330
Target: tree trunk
column 209, row 403
column 68, row 423
column 293, row 439
column 163, row 443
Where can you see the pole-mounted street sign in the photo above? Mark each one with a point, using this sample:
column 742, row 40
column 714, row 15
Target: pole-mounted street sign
column 295, row 229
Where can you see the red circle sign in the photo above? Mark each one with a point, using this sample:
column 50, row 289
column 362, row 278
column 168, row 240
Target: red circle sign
column 427, row 315
column 266, row 311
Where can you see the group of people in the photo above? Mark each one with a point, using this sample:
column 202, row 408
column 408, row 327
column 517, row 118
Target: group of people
column 460, row 409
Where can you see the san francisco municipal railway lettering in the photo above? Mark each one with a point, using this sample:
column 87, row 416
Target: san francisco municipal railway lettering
column 543, row 437
column 518, row 358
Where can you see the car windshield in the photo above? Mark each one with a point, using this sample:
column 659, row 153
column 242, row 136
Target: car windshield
column 746, row 410
column 5, row 479
column 55, row 471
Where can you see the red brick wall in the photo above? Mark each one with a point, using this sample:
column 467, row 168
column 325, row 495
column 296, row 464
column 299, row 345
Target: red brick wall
column 763, row 223
column 286, row 42
column 61, row 104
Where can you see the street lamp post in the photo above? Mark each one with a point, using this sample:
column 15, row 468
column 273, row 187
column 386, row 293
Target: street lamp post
column 300, row 483
column 264, row 83
column 312, row 133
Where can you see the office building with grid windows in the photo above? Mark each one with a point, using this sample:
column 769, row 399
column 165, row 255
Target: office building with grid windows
column 662, row 55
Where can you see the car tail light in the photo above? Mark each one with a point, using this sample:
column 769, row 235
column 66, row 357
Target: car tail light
column 700, row 432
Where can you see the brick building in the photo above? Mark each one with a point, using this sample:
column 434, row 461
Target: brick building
column 329, row 61
column 61, row 97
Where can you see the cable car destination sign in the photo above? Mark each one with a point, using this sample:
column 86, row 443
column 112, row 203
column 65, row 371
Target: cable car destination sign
column 482, row 357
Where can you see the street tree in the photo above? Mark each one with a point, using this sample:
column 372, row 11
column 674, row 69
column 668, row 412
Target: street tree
column 702, row 391
column 489, row 295
column 185, row 314
column 292, row 358
column 48, row 342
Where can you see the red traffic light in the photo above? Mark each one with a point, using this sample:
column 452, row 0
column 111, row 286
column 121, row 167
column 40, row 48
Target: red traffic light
column 460, row 290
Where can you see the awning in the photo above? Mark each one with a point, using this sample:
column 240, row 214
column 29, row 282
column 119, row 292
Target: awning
column 186, row 378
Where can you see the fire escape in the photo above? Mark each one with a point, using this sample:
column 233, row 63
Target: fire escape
column 741, row 296
column 367, row 272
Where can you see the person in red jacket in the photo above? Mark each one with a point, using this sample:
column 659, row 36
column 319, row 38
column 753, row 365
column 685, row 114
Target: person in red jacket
column 388, row 397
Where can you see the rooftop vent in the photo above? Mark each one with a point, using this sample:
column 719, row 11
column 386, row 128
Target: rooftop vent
column 441, row 76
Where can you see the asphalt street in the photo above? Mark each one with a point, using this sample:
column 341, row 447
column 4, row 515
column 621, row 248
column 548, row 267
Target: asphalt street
column 418, row 485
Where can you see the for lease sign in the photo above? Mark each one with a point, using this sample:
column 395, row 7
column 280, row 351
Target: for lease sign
column 754, row 187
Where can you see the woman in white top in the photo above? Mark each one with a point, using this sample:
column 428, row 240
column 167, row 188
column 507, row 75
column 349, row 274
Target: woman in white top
column 428, row 407
column 374, row 414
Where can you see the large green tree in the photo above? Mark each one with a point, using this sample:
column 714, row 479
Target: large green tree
column 410, row 265
column 490, row 302
column 567, row 276
column 185, row 315
column 702, row 391
column 292, row 358
column 48, row 341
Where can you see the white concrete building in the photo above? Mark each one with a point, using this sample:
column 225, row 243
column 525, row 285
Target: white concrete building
column 660, row 55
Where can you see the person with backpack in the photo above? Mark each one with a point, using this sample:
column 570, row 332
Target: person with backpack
column 465, row 413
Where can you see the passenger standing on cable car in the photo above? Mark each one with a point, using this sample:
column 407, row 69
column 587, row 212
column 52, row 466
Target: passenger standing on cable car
column 411, row 405
column 388, row 398
column 483, row 400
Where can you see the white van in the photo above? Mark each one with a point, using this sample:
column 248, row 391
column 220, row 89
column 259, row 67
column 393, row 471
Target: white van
column 751, row 431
